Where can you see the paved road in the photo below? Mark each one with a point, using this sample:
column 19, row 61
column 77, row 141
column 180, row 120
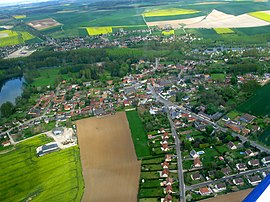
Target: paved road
column 203, row 184
column 182, row 190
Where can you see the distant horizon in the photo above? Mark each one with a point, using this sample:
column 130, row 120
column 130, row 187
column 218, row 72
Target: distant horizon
column 14, row 2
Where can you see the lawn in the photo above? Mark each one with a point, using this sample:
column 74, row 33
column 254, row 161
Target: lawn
column 223, row 30
column 261, row 15
column 98, row 30
column 218, row 77
column 53, row 177
column 258, row 104
column 138, row 134
column 168, row 12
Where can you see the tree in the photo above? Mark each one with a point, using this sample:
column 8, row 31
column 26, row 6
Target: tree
column 7, row 109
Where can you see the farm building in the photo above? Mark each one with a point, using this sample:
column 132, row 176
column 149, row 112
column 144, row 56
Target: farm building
column 47, row 148
column 58, row 131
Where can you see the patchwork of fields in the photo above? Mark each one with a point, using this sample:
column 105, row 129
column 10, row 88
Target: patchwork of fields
column 53, row 177
column 10, row 37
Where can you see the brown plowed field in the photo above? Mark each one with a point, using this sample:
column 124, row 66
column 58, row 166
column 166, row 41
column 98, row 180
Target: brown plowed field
column 110, row 168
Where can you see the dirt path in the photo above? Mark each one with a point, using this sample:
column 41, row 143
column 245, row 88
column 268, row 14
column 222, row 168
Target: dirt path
column 110, row 167
column 232, row 197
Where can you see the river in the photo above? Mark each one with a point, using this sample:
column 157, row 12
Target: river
column 11, row 90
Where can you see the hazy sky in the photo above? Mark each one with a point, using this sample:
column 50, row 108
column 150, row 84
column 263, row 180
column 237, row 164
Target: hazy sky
column 18, row 1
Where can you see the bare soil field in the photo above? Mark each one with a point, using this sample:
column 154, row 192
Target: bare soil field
column 44, row 23
column 232, row 197
column 215, row 19
column 110, row 167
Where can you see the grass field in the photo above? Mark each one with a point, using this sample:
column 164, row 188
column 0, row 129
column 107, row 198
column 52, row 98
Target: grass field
column 265, row 136
column 138, row 134
column 169, row 12
column 259, row 103
column 98, row 30
column 19, row 16
column 170, row 32
column 223, row 30
column 261, row 15
column 53, row 177
column 218, row 77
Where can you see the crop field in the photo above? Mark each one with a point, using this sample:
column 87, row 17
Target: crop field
column 19, row 16
column 258, row 104
column 53, row 177
column 261, row 15
column 168, row 12
column 170, row 32
column 10, row 37
column 98, row 30
column 110, row 167
column 223, row 30
column 218, row 77
column 138, row 134
column 44, row 24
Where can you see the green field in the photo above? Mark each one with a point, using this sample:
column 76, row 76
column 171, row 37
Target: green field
column 138, row 134
column 10, row 37
column 53, row 177
column 259, row 103
column 218, row 77
column 223, row 30
column 261, row 15
column 265, row 136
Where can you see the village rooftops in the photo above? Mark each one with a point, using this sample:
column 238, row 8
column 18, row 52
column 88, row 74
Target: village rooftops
column 254, row 162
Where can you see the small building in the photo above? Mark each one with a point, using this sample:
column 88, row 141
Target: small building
column 220, row 187
column 194, row 154
column 266, row 160
column 254, row 162
column 249, row 152
column 241, row 166
column 197, row 163
column 238, row 181
column 165, row 173
column 168, row 190
column 254, row 180
column 231, row 145
column 168, row 157
column 168, row 198
column 6, row 143
column 205, row 191
column 196, row 176
column 58, row 131
column 247, row 118
column 47, row 148
column 165, row 165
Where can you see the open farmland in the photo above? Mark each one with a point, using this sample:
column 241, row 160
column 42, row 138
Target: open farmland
column 53, row 177
column 19, row 16
column 168, row 12
column 169, row 32
column 44, row 24
column 263, row 15
column 99, row 30
column 10, row 37
column 223, row 30
column 110, row 167
column 259, row 103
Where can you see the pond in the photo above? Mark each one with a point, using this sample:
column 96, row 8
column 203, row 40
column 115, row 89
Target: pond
column 11, row 90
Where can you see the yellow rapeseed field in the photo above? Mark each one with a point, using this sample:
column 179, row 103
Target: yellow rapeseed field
column 98, row 30
column 168, row 12
column 261, row 15
column 223, row 30
column 19, row 16
column 169, row 32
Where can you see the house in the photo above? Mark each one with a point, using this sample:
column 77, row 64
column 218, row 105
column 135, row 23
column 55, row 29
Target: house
column 204, row 191
column 165, row 165
column 196, row 176
column 238, row 181
column 189, row 138
column 168, row 198
column 254, row 180
column 249, row 152
column 197, row 163
column 126, row 103
column 247, row 118
column 165, row 173
column 231, row 145
column 226, row 171
column 220, row 187
column 194, row 154
column 241, row 166
column 168, row 190
column 165, row 136
column 168, row 157
column 254, row 162
column 6, row 143
column 169, row 181
column 266, row 160
column 165, row 147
